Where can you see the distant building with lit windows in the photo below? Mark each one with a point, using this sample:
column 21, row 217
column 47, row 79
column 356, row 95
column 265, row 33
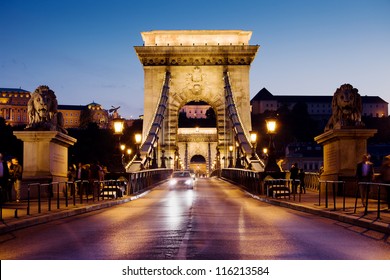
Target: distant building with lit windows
column 13, row 108
column 318, row 106
column 71, row 114
column 13, row 105
column 98, row 114
column 195, row 110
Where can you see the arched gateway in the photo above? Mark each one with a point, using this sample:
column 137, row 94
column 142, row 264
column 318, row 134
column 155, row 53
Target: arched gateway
column 196, row 65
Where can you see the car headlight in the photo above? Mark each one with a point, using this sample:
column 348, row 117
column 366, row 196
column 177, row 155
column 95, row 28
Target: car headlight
column 189, row 182
column 172, row 182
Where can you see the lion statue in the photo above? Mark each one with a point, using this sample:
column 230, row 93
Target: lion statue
column 346, row 108
column 42, row 111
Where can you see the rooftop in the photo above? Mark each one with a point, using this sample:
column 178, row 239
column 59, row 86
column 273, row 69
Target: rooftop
column 18, row 90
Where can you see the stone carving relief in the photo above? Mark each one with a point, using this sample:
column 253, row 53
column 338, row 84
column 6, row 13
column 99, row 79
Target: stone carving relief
column 42, row 111
column 196, row 85
column 346, row 108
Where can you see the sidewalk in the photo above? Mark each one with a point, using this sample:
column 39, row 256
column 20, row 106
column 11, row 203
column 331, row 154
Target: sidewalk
column 308, row 202
column 12, row 220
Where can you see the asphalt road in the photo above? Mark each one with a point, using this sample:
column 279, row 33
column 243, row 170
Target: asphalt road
column 215, row 220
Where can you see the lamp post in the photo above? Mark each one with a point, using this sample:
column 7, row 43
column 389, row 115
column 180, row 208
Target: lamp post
column 163, row 158
column 230, row 156
column 271, row 166
column 238, row 157
column 218, row 159
column 253, row 135
column 265, row 153
column 118, row 124
column 154, row 159
column 123, row 147
column 138, row 140
column 128, row 151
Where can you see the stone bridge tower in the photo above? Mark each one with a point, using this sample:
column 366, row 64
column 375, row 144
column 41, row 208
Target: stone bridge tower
column 197, row 61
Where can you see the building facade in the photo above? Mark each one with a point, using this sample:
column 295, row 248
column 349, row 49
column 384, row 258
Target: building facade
column 318, row 106
column 195, row 110
column 13, row 108
column 13, row 105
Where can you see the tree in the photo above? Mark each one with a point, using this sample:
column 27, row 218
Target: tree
column 9, row 144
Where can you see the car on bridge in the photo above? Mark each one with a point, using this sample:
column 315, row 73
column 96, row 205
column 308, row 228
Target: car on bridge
column 182, row 179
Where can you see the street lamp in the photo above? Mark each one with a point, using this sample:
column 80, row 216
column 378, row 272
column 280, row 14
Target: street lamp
column 154, row 159
column 163, row 158
column 138, row 140
column 238, row 157
column 253, row 135
column 118, row 126
column 129, row 151
column 271, row 131
column 230, row 156
column 123, row 147
column 218, row 159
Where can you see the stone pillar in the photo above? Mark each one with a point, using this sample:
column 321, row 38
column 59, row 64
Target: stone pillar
column 45, row 155
column 343, row 149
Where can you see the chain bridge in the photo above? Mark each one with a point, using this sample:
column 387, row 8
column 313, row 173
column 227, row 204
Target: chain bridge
column 196, row 65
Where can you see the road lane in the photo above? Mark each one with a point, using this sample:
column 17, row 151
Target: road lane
column 215, row 220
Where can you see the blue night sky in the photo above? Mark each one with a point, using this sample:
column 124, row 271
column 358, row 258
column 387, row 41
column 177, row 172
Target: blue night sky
column 83, row 49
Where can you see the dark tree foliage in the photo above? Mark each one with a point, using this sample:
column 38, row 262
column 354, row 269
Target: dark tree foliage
column 93, row 144
column 383, row 127
column 9, row 145
column 304, row 128
column 85, row 118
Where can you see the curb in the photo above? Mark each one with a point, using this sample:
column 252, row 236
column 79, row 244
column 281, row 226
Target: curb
column 345, row 218
column 48, row 217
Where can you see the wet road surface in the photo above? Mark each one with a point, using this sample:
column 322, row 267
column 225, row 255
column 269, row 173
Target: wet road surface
column 215, row 220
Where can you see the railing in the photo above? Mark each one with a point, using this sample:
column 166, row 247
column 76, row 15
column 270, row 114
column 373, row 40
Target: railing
column 369, row 186
column 48, row 196
column 312, row 181
column 141, row 180
column 62, row 194
column 282, row 188
column 247, row 179
column 324, row 187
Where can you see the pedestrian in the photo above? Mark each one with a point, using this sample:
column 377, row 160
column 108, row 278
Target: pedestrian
column 81, row 175
column 364, row 174
column 94, row 176
column 16, row 172
column 385, row 174
column 294, row 177
column 4, row 177
column 321, row 170
column 301, row 176
column 72, row 173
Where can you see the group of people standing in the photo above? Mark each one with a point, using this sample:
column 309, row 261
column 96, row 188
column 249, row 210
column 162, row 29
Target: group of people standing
column 297, row 175
column 87, row 172
column 10, row 178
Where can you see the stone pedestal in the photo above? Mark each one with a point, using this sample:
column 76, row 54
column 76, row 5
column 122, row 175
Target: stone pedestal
column 45, row 155
column 343, row 149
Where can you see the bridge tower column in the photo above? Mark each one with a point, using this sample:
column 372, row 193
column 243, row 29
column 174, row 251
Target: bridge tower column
column 197, row 61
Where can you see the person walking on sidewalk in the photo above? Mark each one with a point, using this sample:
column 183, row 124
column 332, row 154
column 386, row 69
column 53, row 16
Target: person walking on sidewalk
column 385, row 174
column 301, row 176
column 294, row 177
column 16, row 171
column 364, row 173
